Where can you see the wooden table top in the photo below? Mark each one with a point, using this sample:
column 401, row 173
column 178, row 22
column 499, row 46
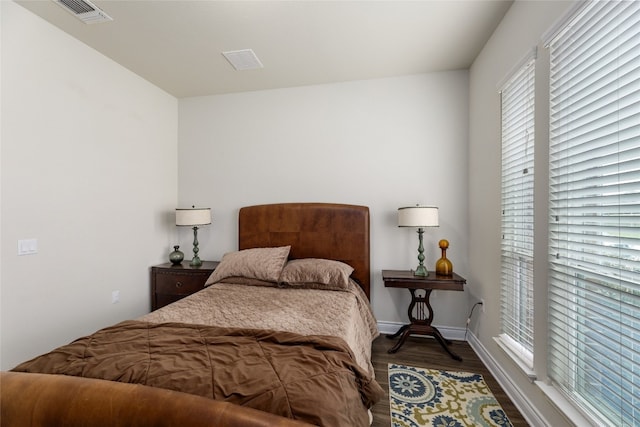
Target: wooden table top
column 406, row 279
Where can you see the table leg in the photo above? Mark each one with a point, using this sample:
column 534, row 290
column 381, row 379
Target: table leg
column 405, row 331
column 400, row 331
column 420, row 314
column 445, row 343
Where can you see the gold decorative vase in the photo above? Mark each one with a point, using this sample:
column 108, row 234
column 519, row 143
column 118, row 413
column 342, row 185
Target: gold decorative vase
column 443, row 265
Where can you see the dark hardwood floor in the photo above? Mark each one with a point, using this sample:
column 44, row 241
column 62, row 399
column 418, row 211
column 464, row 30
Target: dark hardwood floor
column 427, row 353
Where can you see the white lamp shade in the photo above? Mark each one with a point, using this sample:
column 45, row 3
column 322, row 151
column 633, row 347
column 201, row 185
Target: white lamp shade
column 418, row 216
column 196, row 216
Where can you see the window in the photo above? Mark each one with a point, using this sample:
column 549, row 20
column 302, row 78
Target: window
column 594, row 199
column 517, row 215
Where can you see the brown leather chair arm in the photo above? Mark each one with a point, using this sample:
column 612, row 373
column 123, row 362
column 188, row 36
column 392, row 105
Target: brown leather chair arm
column 58, row 400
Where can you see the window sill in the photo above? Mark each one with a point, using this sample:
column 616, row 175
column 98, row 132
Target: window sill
column 564, row 405
column 530, row 373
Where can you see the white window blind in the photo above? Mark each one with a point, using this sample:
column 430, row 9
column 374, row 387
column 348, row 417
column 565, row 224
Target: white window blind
column 594, row 228
column 516, row 294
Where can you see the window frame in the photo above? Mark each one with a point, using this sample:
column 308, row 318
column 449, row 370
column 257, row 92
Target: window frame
column 517, row 107
column 589, row 262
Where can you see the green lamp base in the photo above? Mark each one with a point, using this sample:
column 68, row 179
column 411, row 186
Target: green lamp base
column 421, row 271
column 195, row 261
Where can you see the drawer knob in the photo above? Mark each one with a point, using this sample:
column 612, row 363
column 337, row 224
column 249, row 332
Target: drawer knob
column 178, row 285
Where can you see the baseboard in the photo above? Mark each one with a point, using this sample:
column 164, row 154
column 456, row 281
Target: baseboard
column 530, row 413
column 449, row 332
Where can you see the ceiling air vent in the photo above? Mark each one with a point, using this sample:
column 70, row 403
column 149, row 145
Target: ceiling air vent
column 244, row 59
column 85, row 11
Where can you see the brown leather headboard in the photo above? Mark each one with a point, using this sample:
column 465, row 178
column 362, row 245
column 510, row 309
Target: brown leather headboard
column 314, row 230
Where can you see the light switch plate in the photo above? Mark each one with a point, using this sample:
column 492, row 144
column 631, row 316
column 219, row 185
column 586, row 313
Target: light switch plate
column 27, row 246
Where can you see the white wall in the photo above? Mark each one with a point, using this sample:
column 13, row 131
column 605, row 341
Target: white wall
column 89, row 169
column 381, row 143
column 521, row 30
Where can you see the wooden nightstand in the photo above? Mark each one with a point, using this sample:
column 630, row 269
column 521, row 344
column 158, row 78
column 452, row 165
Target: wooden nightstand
column 419, row 317
column 170, row 282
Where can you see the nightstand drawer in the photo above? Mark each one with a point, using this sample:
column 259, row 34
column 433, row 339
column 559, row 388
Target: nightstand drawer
column 169, row 283
column 179, row 284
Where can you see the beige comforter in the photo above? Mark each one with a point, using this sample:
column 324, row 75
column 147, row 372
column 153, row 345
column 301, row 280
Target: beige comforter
column 343, row 314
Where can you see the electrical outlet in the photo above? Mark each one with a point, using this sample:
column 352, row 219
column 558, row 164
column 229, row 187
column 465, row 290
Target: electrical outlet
column 115, row 297
column 482, row 303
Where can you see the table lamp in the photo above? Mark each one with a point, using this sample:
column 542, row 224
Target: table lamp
column 421, row 217
column 194, row 217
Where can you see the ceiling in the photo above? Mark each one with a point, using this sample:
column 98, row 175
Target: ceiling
column 178, row 45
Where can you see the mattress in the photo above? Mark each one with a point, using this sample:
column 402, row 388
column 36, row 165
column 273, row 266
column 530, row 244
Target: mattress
column 345, row 314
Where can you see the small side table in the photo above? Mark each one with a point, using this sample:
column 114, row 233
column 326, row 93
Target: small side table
column 169, row 282
column 421, row 319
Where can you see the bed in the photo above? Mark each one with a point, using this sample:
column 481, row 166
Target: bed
column 283, row 326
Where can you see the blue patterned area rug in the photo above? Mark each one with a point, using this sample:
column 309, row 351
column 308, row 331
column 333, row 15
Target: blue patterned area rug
column 430, row 397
